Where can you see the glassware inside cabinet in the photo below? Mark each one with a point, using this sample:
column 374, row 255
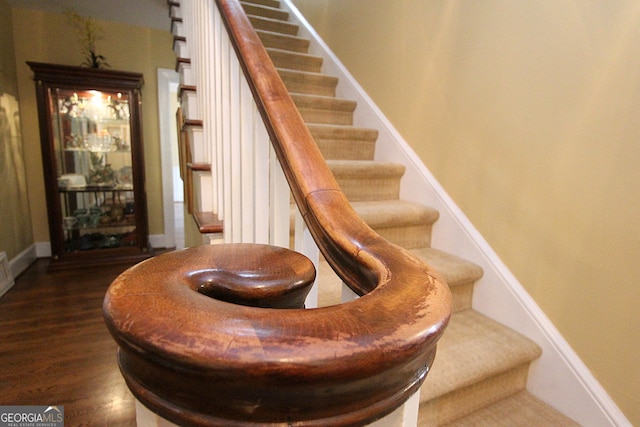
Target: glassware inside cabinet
column 93, row 149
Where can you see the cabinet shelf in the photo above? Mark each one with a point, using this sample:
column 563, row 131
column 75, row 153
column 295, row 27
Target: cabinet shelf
column 97, row 188
column 99, row 242
column 87, row 150
column 93, row 227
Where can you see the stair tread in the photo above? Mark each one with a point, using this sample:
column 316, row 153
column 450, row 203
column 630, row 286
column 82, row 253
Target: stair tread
column 329, row 285
column 455, row 270
column 519, row 410
column 288, row 40
column 386, row 213
column 474, row 348
column 342, row 132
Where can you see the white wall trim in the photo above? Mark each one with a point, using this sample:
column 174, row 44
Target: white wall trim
column 158, row 241
column 166, row 78
column 43, row 249
column 23, row 260
column 559, row 377
column 6, row 276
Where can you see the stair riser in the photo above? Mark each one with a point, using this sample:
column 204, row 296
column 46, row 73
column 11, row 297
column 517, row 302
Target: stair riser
column 462, row 296
column 346, row 150
column 275, row 26
column 409, row 237
column 266, row 12
column 458, row 273
column 277, row 41
column 358, row 190
column 463, row 401
column 329, row 285
column 330, row 290
column 345, row 143
column 189, row 104
column 295, row 61
column 309, row 85
column 268, row 3
column 196, row 139
column 203, row 189
column 330, row 117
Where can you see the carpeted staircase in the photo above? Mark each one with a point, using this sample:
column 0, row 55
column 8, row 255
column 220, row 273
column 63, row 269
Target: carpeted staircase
column 480, row 373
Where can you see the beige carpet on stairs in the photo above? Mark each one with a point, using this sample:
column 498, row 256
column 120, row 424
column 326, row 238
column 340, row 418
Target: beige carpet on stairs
column 519, row 410
column 480, row 372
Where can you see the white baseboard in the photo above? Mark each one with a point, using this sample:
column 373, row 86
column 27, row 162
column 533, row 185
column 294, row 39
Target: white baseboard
column 43, row 249
column 10, row 269
column 6, row 277
column 23, row 260
column 158, row 241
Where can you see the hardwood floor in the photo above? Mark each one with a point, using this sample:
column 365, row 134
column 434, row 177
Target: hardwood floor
column 55, row 348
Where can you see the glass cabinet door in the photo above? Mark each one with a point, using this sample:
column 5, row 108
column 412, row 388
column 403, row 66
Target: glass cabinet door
column 92, row 146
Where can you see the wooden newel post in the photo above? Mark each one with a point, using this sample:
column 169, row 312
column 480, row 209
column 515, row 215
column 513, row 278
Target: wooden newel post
column 166, row 312
column 217, row 336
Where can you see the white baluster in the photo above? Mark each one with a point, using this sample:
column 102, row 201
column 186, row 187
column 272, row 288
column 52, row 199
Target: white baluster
column 235, row 173
column 262, row 147
column 279, row 214
column 248, row 152
column 218, row 84
column 304, row 243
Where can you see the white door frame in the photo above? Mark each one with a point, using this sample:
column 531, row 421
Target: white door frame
column 168, row 81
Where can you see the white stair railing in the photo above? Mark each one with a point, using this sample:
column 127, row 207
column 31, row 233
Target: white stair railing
column 246, row 185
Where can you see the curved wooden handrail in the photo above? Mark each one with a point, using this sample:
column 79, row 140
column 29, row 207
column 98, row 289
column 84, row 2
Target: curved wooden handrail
column 343, row 365
column 341, row 235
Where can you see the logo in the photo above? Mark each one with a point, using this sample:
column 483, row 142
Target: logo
column 31, row 416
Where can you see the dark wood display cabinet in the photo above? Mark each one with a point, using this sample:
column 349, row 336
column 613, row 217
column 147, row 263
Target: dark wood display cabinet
column 91, row 139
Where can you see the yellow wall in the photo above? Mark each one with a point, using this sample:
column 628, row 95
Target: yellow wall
column 15, row 224
column 528, row 113
column 48, row 37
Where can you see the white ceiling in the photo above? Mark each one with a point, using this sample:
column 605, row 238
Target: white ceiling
column 143, row 13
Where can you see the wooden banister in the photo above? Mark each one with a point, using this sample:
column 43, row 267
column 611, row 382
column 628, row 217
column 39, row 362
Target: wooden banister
column 199, row 361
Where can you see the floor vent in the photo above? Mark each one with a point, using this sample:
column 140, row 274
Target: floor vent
column 6, row 279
